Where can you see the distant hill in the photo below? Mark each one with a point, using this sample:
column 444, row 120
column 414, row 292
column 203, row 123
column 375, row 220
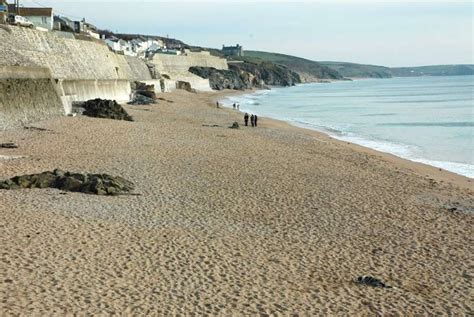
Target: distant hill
column 438, row 70
column 353, row 70
column 308, row 70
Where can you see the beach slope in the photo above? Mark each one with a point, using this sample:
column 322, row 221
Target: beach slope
column 267, row 220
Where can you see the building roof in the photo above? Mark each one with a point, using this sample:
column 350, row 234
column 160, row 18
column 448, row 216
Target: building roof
column 31, row 12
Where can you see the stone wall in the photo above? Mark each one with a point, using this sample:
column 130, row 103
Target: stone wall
column 76, row 71
column 68, row 59
column 177, row 67
column 180, row 64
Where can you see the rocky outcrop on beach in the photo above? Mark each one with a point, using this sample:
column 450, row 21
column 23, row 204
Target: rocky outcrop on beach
column 247, row 75
column 143, row 94
column 104, row 108
column 184, row 85
column 98, row 184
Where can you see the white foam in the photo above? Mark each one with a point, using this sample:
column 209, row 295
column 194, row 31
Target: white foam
column 458, row 168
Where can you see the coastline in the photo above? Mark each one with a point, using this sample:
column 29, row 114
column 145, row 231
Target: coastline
column 422, row 169
column 270, row 220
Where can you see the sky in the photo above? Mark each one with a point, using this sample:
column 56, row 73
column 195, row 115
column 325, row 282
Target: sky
column 389, row 33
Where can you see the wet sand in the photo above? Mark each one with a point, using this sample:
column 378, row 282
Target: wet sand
column 269, row 220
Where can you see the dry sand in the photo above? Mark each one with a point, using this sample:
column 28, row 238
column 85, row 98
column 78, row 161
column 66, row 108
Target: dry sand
column 269, row 220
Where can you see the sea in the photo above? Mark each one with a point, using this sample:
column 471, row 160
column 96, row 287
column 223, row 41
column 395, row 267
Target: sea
column 422, row 119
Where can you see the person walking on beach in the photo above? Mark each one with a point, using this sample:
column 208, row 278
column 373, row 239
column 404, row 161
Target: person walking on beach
column 255, row 120
column 217, row 104
column 246, row 119
column 238, row 107
column 233, row 106
column 252, row 120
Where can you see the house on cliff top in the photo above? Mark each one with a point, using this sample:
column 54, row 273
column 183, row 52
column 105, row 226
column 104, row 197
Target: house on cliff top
column 40, row 17
column 67, row 25
column 233, row 50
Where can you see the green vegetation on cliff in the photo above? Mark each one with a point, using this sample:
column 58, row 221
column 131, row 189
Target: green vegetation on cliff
column 308, row 70
column 352, row 70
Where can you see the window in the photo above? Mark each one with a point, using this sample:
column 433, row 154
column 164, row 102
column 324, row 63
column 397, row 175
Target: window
column 44, row 20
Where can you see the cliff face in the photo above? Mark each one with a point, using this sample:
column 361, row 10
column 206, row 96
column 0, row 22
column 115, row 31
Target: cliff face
column 247, row 75
column 221, row 79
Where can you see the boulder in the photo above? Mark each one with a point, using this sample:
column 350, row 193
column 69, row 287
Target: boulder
column 371, row 281
column 104, row 108
column 8, row 145
column 141, row 100
column 98, row 184
column 234, row 125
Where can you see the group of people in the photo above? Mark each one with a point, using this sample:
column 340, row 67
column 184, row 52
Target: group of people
column 253, row 119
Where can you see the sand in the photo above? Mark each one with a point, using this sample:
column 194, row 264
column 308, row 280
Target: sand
column 271, row 220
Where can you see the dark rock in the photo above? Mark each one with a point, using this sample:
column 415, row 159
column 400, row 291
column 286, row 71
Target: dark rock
column 143, row 89
column 99, row 184
column 107, row 109
column 8, row 145
column 140, row 99
column 234, row 125
column 37, row 129
column 371, row 281
column 44, row 180
column 68, row 183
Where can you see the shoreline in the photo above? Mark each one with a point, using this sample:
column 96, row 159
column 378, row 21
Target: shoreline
column 422, row 169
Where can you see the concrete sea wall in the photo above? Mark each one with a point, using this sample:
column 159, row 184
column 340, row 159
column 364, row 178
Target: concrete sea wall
column 68, row 59
column 27, row 94
column 77, row 71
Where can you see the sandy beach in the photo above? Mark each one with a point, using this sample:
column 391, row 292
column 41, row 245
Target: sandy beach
column 274, row 220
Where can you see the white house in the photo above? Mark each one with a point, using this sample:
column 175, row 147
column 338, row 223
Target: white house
column 119, row 45
column 142, row 46
column 40, row 17
column 113, row 43
column 91, row 30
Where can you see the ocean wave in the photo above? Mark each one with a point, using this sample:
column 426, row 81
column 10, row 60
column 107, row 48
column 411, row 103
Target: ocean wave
column 458, row 168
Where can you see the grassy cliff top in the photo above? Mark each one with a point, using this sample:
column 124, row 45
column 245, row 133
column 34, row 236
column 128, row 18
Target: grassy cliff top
column 353, row 70
column 309, row 70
